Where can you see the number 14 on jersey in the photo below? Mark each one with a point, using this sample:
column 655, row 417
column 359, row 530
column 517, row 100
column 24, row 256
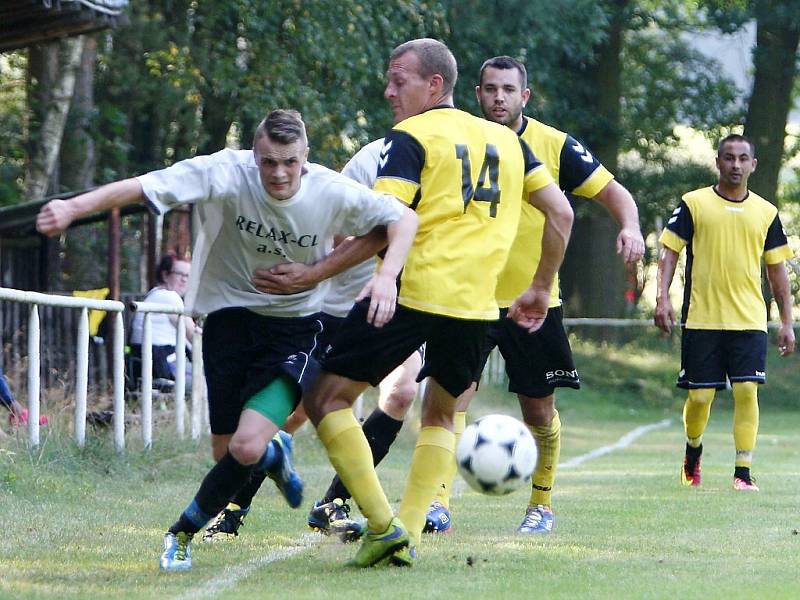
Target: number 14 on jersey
column 482, row 192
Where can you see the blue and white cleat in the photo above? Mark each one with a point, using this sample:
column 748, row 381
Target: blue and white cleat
column 177, row 554
column 438, row 519
column 538, row 520
column 284, row 474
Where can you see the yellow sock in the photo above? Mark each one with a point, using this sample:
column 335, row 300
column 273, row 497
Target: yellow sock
column 696, row 411
column 446, row 487
column 432, row 455
column 745, row 421
column 548, row 446
column 350, row 455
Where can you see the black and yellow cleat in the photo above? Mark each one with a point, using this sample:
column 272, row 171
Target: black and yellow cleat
column 333, row 518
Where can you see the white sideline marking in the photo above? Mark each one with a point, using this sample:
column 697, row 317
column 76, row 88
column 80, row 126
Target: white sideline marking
column 232, row 575
column 236, row 573
column 623, row 442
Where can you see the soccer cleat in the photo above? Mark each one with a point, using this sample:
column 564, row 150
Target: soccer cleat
column 438, row 519
column 404, row 557
column 226, row 524
column 333, row 518
column 284, row 474
column 538, row 519
column 743, row 485
column 376, row 547
column 690, row 476
column 177, row 554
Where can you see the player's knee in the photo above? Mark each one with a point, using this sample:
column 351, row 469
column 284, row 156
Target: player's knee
column 537, row 412
column 219, row 446
column 399, row 401
column 246, row 450
column 746, row 391
column 701, row 396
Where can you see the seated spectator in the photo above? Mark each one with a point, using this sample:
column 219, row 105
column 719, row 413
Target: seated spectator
column 18, row 414
column 172, row 276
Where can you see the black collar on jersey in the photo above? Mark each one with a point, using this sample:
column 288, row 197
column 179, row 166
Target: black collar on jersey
column 438, row 106
column 524, row 125
column 716, row 191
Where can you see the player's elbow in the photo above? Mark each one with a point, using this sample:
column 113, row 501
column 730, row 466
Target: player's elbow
column 562, row 216
column 407, row 223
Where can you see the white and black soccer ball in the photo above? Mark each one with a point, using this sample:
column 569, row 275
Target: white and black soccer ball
column 496, row 455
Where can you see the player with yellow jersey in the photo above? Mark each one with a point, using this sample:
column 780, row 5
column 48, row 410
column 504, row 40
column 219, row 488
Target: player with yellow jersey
column 465, row 178
column 538, row 362
column 727, row 230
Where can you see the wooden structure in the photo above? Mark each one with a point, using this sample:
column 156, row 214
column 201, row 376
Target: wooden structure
column 26, row 22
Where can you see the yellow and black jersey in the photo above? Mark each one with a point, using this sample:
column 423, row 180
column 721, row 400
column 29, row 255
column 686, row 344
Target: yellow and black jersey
column 465, row 177
column 725, row 240
column 577, row 172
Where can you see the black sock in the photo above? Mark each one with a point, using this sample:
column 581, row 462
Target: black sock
column 742, row 473
column 692, row 454
column 244, row 497
column 219, row 486
column 381, row 430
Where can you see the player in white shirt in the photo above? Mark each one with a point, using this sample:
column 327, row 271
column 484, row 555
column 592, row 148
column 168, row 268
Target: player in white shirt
column 330, row 515
column 257, row 208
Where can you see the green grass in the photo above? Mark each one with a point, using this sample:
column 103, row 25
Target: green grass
column 88, row 523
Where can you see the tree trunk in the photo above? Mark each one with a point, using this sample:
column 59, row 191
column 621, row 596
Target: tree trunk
column 43, row 159
column 41, row 76
column 775, row 61
column 593, row 277
column 78, row 155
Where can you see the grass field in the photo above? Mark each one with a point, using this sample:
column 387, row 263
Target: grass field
column 89, row 524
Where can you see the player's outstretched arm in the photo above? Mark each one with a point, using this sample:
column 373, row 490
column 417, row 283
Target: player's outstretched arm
column 781, row 290
column 291, row 278
column 382, row 288
column 620, row 204
column 664, row 317
column 530, row 309
column 55, row 216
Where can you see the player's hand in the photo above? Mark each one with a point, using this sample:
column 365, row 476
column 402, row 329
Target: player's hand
column 382, row 292
column 664, row 317
column 786, row 339
column 285, row 278
column 630, row 245
column 54, row 217
column 529, row 310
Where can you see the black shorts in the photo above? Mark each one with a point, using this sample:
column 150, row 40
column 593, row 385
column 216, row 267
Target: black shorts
column 538, row 362
column 708, row 356
column 161, row 368
column 362, row 352
column 330, row 325
column 243, row 352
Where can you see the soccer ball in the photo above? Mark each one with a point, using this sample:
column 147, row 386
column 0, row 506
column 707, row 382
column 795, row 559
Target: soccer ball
column 496, row 454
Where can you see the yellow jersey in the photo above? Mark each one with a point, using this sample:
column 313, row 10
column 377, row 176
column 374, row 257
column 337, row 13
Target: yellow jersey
column 577, row 172
column 465, row 177
column 725, row 241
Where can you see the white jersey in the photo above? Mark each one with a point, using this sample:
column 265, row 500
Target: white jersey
column 243, row 228
column 164, row 332
column 344, row 287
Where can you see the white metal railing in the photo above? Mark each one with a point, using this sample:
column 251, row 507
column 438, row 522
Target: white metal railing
column 36, row 299
column 199, row 417
column 198, row 381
